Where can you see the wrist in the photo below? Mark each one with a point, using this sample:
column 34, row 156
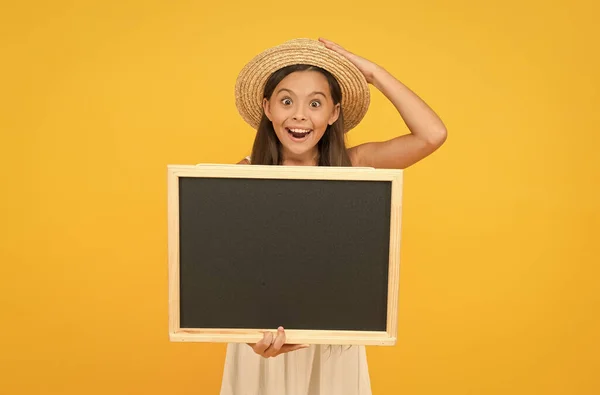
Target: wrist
column 378, row 77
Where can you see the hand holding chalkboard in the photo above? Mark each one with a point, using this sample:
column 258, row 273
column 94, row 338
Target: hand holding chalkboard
column 273, row 345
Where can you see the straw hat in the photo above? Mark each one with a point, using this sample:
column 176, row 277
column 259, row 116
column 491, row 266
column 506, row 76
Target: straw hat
column 251, row 81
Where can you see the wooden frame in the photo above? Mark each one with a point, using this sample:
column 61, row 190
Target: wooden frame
column 252, row 335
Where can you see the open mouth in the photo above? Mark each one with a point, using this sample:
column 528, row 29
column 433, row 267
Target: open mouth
column 298, row 134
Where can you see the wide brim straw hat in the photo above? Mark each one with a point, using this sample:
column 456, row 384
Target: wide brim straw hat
column 251, row 81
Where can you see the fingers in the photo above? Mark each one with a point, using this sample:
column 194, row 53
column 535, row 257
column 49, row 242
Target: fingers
column 336, row 47
column 263, row 344
column 271, row 346
column 332, row 45
column 277, row 343
column 327, row 42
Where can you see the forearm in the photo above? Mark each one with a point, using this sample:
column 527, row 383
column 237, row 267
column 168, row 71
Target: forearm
column 420, row 119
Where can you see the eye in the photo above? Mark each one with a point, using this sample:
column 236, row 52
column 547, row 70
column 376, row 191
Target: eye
column 315, row 103
column 287, row 101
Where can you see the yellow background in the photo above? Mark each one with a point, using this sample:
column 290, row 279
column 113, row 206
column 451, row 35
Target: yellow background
column 500, row 270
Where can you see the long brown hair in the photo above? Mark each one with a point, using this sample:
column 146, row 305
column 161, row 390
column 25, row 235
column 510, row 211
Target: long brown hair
column 332, row 146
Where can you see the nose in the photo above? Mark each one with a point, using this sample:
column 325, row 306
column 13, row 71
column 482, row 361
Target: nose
column 299, row 115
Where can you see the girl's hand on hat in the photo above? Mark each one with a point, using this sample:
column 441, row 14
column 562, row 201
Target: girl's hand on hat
column 273, row 345
column 366, row 67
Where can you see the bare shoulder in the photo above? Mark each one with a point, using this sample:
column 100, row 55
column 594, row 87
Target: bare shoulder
column 355, row 156
column 244, row 161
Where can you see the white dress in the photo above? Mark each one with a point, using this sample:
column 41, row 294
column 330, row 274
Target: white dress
column 317, row 370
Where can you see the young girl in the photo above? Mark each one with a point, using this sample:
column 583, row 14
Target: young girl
column 302, row 97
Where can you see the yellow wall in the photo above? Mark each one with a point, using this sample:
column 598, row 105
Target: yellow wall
column 499, row 286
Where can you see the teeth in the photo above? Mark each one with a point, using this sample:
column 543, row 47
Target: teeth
column 299, row 130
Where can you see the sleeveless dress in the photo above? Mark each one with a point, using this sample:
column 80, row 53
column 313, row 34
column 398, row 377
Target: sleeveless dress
column 316, row 370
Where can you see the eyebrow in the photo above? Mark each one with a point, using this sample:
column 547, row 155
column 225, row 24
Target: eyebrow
column 313, row 93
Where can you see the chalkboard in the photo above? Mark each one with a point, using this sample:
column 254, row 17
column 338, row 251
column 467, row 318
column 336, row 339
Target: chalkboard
column 312, row 249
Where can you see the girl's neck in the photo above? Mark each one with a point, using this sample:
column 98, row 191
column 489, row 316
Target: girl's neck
column 307, row 159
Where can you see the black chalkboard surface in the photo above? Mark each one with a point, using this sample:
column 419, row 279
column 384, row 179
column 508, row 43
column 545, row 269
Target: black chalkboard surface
column 314, row 250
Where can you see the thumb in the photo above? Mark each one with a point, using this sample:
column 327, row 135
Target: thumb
column 294, row 347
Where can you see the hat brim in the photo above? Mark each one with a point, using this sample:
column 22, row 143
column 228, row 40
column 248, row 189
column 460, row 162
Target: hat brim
column 251, row 81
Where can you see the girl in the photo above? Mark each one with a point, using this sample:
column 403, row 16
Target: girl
column 302, row 97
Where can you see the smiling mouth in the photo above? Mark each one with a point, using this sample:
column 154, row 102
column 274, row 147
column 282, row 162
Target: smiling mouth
column 299, row 134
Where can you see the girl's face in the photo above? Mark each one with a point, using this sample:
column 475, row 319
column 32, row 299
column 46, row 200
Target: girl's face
column 301, row 108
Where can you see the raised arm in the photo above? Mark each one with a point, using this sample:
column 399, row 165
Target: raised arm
column 427, row 131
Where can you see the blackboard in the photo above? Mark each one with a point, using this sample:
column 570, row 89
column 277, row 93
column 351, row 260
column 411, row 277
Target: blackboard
column 314, row 250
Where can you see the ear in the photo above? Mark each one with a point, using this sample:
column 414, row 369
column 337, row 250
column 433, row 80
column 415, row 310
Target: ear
column 335, row 114
column 267, row 109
